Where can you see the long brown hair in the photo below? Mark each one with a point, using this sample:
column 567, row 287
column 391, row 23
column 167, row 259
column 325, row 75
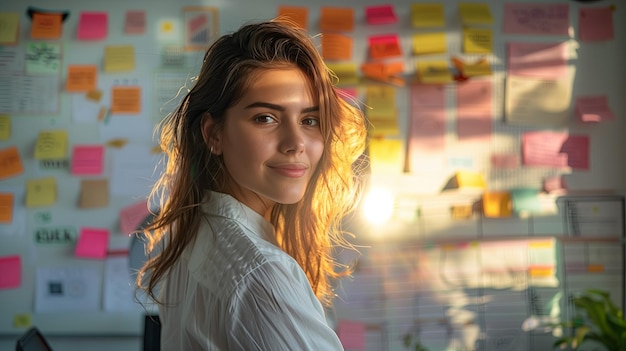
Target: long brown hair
column 306, row 230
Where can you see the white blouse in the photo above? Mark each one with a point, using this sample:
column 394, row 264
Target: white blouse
column 233, row 289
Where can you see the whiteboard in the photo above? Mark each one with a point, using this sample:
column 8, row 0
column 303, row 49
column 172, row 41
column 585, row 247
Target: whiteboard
column 160, row 83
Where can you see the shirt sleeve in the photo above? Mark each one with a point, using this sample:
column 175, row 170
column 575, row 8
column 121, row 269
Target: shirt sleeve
column 274, row 308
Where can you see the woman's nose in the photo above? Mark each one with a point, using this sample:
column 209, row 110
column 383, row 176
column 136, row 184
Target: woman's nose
column 292, row 139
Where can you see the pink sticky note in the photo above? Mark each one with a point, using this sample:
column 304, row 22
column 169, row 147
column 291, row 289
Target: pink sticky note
column 554, row 183
column 87, row 159
column 510, row 161
column 595, row 24
column 92, row 25
column 11, row 268
column 92, row 243
column 351, row 334
column 132, row 216
column 135, row 22
column 536, row 19
column 381, row 14
column 593, row 109
column 555, row 149
column 541, row 60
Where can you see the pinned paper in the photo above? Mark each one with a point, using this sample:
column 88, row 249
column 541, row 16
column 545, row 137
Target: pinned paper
column 380, row 14
column 132, row 216
column 87, row 160
column 6, row 208
column 386, row 156
column 5, row 127
column 10, row 162
column 46, row 26
column 81, row 78
column 92, row 26
column 51, row 145
column 555, row 149
column 429, row 43
column 345, row 72
column 9, row 27
column 119, row 58
column 297, row 14
column 135, row 22
column 41, row 192
column 126, row 99
column 336, row 19
column 477, row 40
column 11, row 268
column 540, row 60
column 384, row 46
column 433, row 72
column 94, row 193
column 497, row 204
column 92, row 243
column 427, row 15
column 475, row 13
column 336, row 46
column 536, row 18
column 593, row 109
column 351, row 334
column 595, row 24
column 42, row 57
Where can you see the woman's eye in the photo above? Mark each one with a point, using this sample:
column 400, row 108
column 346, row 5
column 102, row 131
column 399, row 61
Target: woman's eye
column 264, row 119
column 311, row 121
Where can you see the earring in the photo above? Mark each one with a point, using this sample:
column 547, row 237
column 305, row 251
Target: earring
column 211, row 149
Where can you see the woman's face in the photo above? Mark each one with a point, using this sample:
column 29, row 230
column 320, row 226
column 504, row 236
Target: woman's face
column 271, row 141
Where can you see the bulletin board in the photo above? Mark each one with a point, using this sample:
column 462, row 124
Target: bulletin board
column 450, row 91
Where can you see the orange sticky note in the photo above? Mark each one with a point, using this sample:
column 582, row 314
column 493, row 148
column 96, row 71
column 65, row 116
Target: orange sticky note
column 11, row 268
column 10, row 162
column 336, row 46
column 81, row 78
column 297, row 14
column 384, row 46
column 126, row 99
column 46, row 26
column 595, row 268
column 336, row 19
column 6, row 207
column 497, row 204
column 92, row 243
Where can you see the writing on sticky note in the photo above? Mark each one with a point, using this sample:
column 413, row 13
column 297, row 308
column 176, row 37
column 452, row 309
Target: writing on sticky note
column 380, row 14
column 336, row 46
column 41, row 192
column 477, row 40
column 384, row 46
column 352, row 334
column 92, row 243
column 336, row 19
column 6, row 207
column 132, row 216
column 5, row 127
column 81, row 78
column 11, row 268
column 126, row 99
column 51, row 145
column 92, row 26
column 297, row 14
column 10, row 162
column 46, row 26
column 87, row 159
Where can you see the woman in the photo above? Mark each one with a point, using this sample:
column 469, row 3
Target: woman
column 260, row 171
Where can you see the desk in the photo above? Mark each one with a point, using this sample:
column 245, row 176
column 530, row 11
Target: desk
column 81, row 343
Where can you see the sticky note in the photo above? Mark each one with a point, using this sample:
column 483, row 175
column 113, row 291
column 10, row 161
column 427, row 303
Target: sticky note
column 22, row 321
column 380, row 14
column 594, row 108
column 468, row 179
column 525, row 201
column 351, row 334
column 11, row 268
column 336, row 19
column 382, row 112
column 477, row 40
column 336, row 46
column 297, row 14
column 386, row 156
column 497, row 204
column 126, row 99
column 595, row 24
column 384, row 46
column 429, row 43
column 346, row 72
column 94, row 193
column 41, row 192
column 92, row 26
column 475, row 13
column 87, row 159
column 46, row 26
column 6, row 207
column 433, row 72
column 92, row 243
column 427, row 15
column 132, row 216
column 135, row 22
column 9, row 27
column 5, row 127
column 10, row 162
column 81, row 78
column 51, row 145
column 119, row 58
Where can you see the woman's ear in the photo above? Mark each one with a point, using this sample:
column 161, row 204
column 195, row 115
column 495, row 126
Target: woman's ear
column 211, row 134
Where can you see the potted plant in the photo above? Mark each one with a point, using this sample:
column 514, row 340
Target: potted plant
column 600, row 321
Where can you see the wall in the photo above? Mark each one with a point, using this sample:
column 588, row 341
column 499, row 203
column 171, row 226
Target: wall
column 592, row 67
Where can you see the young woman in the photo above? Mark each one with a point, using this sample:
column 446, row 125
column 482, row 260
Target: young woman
column 260, row 171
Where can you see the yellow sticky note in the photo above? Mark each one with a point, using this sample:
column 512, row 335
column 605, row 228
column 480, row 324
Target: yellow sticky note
column 386, row 156
column 479, row 68
column 9, row 25
column 427, row 15
column 381, row 110
column 433, row 72
column 477, row 40
column 497, row 204
column 468, row 179
column 51, row 145
column 119, row 58
column 429, row 43
column 475, row 13
column 345, row 72
column 41, row 192
column 5, row 127
column 22, row 321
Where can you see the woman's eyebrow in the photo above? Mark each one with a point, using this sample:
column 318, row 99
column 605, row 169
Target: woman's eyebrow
column 279, row 107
